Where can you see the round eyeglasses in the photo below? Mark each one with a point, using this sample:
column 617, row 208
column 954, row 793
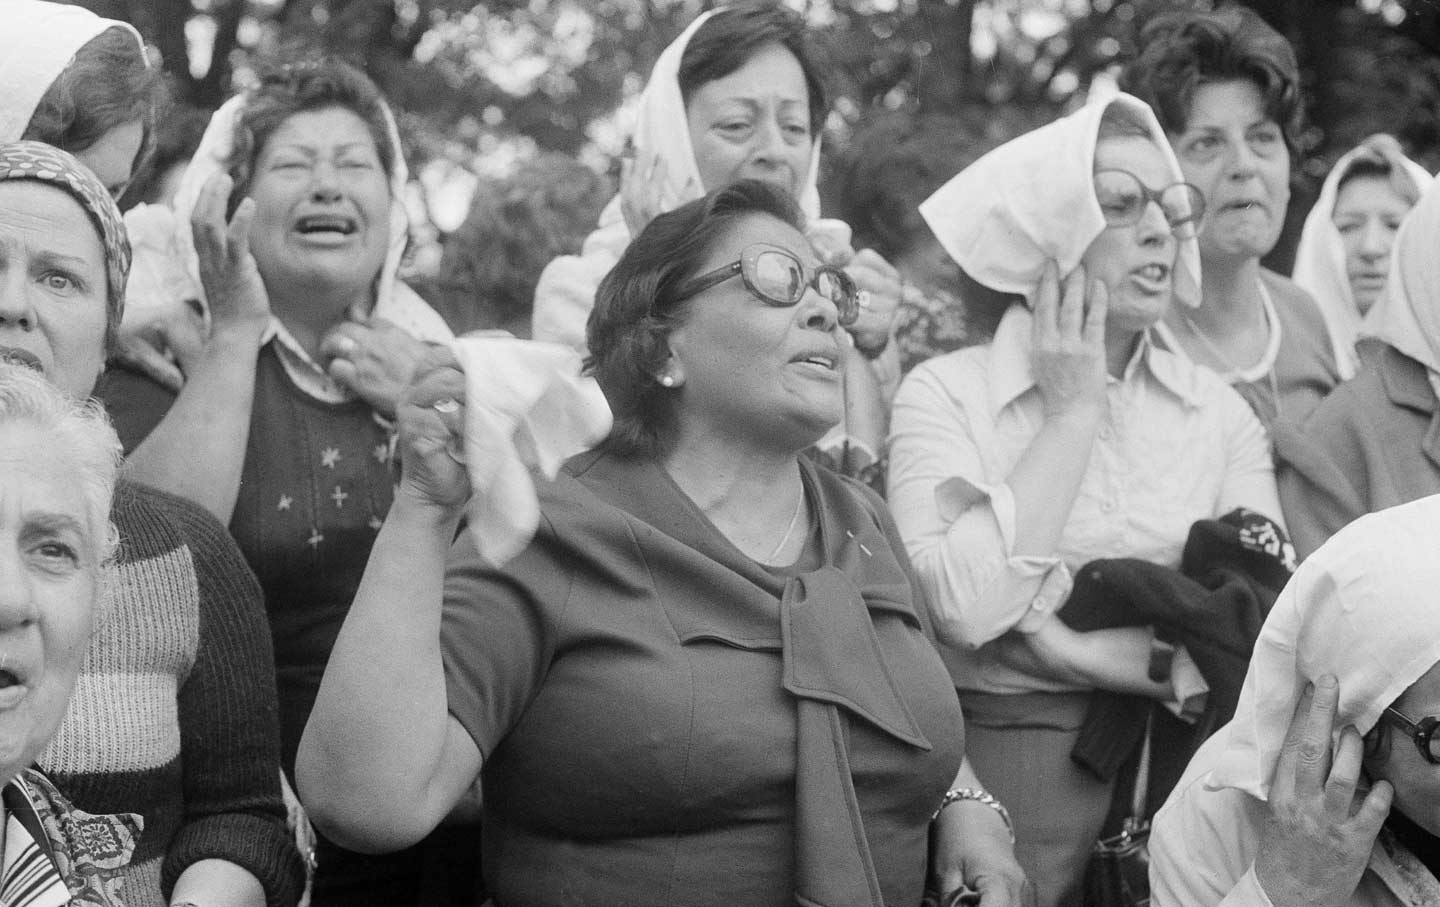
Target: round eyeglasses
column 779, row 279
column 1123, row 199
column 1422, row 732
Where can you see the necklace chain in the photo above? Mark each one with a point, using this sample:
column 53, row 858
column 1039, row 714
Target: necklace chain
column 789, row 530
column 1236, row 372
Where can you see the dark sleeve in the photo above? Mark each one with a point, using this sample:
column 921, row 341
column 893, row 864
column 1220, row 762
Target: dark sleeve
column 136, row 404
column 229, row 724
column 1317, row 494
column 499, row 633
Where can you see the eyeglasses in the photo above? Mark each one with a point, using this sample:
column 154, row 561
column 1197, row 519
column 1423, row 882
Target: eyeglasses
column 1123, row 200
column 1422, row 732
column 779, row 279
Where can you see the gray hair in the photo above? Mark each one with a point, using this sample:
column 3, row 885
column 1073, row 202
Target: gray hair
column 81, row 427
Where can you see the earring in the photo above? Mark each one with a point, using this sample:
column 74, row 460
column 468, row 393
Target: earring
column 667, row 380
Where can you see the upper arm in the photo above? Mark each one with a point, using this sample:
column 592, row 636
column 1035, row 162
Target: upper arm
column 1249, row 479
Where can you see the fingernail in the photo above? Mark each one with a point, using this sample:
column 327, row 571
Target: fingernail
column 1326, row 682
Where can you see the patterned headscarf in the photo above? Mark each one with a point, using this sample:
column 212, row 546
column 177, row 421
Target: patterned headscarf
column 38, row 161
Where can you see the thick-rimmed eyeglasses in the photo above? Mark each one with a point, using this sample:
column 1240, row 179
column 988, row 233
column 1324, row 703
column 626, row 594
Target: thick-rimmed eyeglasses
column 1123, row 199
column 1422, row 732
column 779, row 279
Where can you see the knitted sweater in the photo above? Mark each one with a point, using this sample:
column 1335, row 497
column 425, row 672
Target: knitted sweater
column 174, row 716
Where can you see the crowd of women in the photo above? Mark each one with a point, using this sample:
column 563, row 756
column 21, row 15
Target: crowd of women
column 712, row 593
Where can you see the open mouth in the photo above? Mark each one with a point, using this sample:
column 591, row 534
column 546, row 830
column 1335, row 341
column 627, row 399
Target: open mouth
column 320, row 225
column 1155, row 272
column 12, row 688
column 828, row 361
column 14, row 356
column 1248, row 204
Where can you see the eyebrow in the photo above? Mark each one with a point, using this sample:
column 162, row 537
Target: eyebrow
column 46, row 522
column 313, row 150
column 49, row 258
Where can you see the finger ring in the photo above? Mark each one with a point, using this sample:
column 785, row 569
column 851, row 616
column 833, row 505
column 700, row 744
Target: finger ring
column 446, row 405
column 345, row 346
column 862, row 299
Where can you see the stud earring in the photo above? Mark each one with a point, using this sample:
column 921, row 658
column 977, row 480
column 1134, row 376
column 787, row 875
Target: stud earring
column 667, row 380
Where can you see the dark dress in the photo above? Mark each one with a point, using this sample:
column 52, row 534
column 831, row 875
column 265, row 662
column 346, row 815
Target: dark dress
column 315, row 487
column 665, row 721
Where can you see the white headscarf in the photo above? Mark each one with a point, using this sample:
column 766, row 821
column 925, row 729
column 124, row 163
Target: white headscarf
column 1320, row 256
column 38, row 40
column 1032, row 200
column 1407, row 316
column 1360, row 608
column 566, row 290
column 394, row 301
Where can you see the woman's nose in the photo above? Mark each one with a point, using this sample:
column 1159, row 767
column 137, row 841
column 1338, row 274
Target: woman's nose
column 1153, row 227
column 17, row 598
column 1374, row 240
column 16, row 306
column 817, row 311
column 325, row 182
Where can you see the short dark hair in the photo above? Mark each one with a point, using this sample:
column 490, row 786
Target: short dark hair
column 286, row 89
column 729, row 38
column 636, row 306
column 1179, row 52
column 108, row 84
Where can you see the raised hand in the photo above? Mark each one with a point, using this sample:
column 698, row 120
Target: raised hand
column 882, row 288
column 373, row 358
column 232, row 282
column 646, row 191
column 1068, row 359
column 431, row 422
column 1318, row 837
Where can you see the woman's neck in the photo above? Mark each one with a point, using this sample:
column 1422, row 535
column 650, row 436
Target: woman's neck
column 309, row 312
column 1230, row 297
column 1119, row 350
column 754, row 496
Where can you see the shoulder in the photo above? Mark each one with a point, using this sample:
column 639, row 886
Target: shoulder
column 954, row 375
column 1297, row 309
column 136, row 403
column 1204, row 839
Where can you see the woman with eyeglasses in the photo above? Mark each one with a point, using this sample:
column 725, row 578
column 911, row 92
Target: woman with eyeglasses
column 1069, row 437
column 709, row 679
column 1325, row 787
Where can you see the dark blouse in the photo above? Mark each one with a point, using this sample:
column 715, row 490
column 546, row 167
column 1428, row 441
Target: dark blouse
column 665, row 721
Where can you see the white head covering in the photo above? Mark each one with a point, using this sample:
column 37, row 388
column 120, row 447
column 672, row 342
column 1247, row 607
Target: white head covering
column 37, row 41
column 661, row 129
column 393, row 300
column 1320, row 256
column 1032, row 200
column 1361, row 608
column 1407, row 316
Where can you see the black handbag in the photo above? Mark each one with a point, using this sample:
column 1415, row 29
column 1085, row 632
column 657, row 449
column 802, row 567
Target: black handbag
column 1118, row 874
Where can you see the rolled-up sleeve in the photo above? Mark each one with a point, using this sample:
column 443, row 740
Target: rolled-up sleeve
column 957, row 522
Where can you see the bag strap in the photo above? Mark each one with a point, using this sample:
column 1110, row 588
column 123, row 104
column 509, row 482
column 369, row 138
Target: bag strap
column 1136, row 820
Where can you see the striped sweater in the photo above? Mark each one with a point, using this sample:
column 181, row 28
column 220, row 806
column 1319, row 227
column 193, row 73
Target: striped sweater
column 174, row 716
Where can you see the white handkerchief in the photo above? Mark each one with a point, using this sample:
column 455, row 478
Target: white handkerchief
column 527, row 410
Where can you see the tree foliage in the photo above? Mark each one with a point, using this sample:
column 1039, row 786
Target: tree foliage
column 477, row 85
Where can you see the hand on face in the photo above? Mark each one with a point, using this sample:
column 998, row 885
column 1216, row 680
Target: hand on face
column 880, row 283
column 1317, row 839
column 239, row 303
column 374, row 359
column 322, row 205
column 1068, row 357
